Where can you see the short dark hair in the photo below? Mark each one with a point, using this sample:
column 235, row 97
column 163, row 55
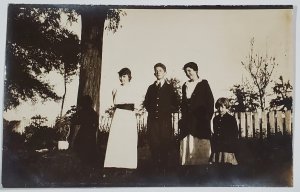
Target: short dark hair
column 191, row 65
column 222, row 102
column 160, row 65
column 125, row 71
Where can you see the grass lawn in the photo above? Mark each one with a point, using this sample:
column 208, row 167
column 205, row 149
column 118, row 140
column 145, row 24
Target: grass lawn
column 261, row 163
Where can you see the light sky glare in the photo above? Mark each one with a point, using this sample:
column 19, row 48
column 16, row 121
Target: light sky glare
column 217, row 40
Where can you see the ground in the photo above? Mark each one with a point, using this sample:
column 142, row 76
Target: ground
column 261, row 163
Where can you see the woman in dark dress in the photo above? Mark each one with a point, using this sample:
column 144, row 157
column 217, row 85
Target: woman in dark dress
column 88, row 120
column 195, row 125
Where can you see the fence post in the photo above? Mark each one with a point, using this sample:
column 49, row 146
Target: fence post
column 105, row 123
column 173, row 123
column 249, row 131
column 138, row 119
column 176, row 119
column 279, row 120
column 272, row 122
column 238, row 122
column 145, row 116
column 256, row 125
column 264, row 124
column 288, row 122
column 243, row 124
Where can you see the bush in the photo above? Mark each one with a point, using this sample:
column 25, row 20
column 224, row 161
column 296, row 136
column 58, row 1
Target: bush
column 62, row 128
column 40, row 137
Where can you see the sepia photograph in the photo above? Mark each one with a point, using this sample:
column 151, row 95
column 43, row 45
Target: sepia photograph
column 148, row 96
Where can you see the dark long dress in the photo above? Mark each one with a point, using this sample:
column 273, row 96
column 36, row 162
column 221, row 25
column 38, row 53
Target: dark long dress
column 85, row 141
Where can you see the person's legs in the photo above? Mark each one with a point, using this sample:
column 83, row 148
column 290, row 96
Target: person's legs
column 155, row 156
column 154, row 142
column 164, row 157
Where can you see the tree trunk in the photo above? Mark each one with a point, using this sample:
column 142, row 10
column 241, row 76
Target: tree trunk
column 92, row 19
column 64, row 96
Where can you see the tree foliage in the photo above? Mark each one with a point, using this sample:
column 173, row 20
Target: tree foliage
column 38, row 121
column 244, row 99
column 12, row 140
column 260, row 68
column 114, row 18
column 36, row 45
column 38, row 135
column 175, row 82
column 283, row 91
column 44, row 45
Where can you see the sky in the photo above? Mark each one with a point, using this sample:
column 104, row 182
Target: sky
column 217, row 40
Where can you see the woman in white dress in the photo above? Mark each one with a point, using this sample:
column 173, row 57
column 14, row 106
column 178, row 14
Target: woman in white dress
column 121, row 149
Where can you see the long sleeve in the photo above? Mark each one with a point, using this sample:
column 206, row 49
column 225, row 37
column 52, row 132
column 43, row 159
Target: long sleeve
column 175, row 101
column 114, row 92
column 209, row 102
column 235, row 130
column 146, row 101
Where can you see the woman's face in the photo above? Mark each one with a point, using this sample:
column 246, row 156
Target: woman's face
column 191, row 73
column 124, row 79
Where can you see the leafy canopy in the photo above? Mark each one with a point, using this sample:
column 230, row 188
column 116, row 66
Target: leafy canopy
column 36, row 45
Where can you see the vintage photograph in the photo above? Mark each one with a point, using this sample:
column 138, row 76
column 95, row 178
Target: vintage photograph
column 148, row 96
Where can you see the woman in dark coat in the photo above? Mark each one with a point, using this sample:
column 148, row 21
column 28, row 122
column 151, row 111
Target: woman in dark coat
column 197, row 111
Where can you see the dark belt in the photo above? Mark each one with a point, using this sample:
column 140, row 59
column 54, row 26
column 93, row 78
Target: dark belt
column 125, row 106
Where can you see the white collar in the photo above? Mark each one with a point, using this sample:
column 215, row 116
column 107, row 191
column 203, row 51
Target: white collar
column 194, row 82
column 161, row 81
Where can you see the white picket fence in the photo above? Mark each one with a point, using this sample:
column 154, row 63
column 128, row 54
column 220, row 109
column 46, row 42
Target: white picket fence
column 251, row 124
column 264, row 124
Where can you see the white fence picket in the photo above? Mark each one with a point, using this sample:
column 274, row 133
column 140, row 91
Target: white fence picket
column 272, row 122
column 256, row 125
column 288, row 122
column 243, row 125
column 279, row 122
column 264, row 124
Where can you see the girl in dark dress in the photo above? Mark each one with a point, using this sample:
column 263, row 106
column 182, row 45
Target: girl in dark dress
column 225, row 136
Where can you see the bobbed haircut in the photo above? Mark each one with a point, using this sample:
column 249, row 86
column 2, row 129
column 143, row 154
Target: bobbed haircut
column 125, row 71
column 191, row 65
column 222, row 102
column 160, row 65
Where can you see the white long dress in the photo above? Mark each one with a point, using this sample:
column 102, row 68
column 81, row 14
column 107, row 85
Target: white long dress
column 121, row 149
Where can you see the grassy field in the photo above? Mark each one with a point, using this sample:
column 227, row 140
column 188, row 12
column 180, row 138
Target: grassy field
column 261, row 163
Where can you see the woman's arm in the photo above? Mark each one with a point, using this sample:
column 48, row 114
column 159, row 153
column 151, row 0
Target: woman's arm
column 209, row 101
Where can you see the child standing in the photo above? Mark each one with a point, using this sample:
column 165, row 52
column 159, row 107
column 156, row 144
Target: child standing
column 225, row 136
